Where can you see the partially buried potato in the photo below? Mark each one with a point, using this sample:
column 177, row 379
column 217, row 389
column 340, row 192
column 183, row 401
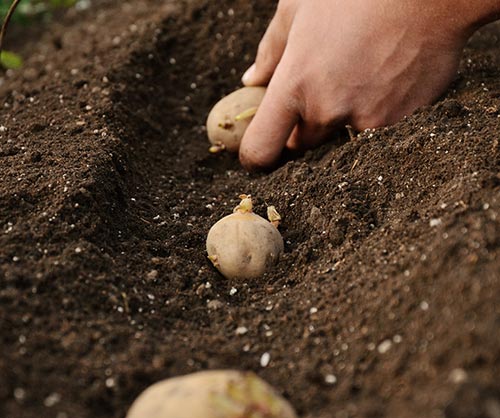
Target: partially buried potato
column 230, row 117
column 244, row 245
column 211, row 394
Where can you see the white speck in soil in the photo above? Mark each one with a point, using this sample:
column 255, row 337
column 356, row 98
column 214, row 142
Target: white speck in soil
column 19, row 394
column 458, row 376
column 424, row 305
column 52, row 399
column 233, row 291
column 78, row 250
column 397, row 339
column 265, row 359
column 330, row 379
column 153, row 274
column 241, row 330
column 435, row 222
column 313, row 310
column 384, row 346
column 110, row 382
column 82, row 5
column 215, row 304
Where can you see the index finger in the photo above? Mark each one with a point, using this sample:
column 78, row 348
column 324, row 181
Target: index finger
column 267, row 134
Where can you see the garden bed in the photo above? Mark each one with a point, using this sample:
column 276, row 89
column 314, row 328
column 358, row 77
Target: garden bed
column 386, row 302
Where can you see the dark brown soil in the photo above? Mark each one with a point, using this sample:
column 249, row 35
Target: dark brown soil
column 390, row 282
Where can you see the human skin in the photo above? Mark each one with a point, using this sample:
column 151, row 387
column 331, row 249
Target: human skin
column 366, row 63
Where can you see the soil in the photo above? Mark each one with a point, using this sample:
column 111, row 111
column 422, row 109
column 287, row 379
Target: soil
column 386, row 303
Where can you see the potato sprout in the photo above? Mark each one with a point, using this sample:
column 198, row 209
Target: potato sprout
column 231, row 116
column 244, row 245
column 211, row 394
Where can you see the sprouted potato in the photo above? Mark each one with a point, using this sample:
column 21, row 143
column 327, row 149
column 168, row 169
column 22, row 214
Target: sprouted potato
column 244, row 245
column 211, row 394
column 230, row 117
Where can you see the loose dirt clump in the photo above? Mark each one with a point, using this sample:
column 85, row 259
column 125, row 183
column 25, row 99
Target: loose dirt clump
column 386, row 302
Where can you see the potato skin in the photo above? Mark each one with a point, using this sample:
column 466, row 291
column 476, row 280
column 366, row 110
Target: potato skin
column 222, row 128
column 211, row 394
column 244, row 245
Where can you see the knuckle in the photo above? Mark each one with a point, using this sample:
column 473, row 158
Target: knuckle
column 368, row 119
column 321, row 112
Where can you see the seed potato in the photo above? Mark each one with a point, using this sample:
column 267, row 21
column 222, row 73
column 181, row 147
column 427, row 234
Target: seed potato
column 244, row 245
column 230, row 117
column 211, row 394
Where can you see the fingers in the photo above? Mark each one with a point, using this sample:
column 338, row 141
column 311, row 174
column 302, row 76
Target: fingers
column 272, row 125
column 270, row 51
column 307, row 135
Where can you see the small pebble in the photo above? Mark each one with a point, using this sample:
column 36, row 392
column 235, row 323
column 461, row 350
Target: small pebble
column 435, row 222
column 153, row 274
column 19, row 394
column 215, row 304
column 458, row 376
column 52, row 399
column 241, row 330
column 384, row 346
column 265, row 359
column 330, row 379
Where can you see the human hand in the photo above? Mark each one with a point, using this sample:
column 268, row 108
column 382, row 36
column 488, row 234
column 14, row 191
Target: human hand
column 360, row 62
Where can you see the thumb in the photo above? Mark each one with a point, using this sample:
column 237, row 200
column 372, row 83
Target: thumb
column 267, row 134
column 269, row 54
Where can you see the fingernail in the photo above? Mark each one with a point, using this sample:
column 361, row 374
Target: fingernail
column 248, row 74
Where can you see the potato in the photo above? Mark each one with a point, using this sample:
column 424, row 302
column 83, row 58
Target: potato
column 244, row 245
column 230, row 117
column 211, row 394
